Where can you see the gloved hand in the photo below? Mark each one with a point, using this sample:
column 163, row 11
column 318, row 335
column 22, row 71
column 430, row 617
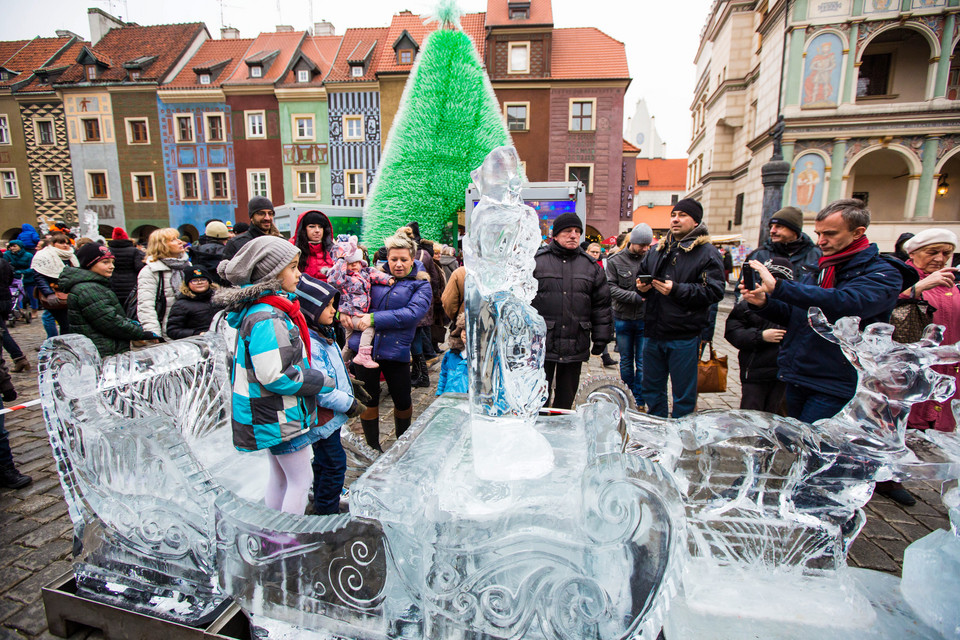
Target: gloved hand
column 360, row 393
column 598, row 348
column 10, row 395
column 52, row 300
column 356, row 409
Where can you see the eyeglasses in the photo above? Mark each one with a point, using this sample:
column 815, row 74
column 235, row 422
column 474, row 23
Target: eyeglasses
column 266, row 213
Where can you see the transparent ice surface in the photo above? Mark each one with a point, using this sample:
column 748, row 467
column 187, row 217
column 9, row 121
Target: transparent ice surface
column 505, row 334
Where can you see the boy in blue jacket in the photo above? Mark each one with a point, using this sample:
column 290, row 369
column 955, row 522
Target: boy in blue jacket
column 318, row 303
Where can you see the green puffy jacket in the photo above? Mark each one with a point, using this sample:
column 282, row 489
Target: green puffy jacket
column 95, row 312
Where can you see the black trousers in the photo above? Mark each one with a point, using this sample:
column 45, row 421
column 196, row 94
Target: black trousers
column 567, row 382
column 397, row 375
column 764, row 396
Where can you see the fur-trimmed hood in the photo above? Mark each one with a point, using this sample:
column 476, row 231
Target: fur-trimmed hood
column 234, row 298
column 698, row 236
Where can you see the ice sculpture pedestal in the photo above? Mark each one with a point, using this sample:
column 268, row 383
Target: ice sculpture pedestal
column 588, row 550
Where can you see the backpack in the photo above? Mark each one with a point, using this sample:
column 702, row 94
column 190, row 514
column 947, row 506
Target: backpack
column 160, row 304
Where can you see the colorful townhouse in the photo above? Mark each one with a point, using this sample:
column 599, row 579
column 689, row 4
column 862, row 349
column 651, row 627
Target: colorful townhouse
column 255, row 110
column 304, row 133
column 196, row 130
column 35, row 176
column 353, row 96
column 114, row 129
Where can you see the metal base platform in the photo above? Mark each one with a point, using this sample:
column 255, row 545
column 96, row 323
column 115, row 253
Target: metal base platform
column 68, row 612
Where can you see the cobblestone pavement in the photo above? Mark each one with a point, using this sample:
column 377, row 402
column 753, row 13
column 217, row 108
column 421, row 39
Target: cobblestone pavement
column 36, row 533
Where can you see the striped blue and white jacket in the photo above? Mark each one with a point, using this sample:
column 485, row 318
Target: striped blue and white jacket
column 274, row 388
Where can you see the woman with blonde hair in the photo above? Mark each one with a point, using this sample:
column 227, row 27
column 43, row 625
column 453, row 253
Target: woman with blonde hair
column 162, row 271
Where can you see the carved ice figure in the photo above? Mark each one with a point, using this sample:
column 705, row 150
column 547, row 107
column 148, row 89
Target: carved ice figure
column 505, row 334
column 90, row 225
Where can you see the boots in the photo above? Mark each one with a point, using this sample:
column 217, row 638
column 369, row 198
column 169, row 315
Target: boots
column 401, row 420
column 420, row 376
column 363, row 358
column 21, row 364
column 10, row 478
column 370, row 421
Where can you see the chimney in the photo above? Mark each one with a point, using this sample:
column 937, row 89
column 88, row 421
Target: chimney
column 100, row 23
column 282, row 28
column 229, row 33
column 324, row 28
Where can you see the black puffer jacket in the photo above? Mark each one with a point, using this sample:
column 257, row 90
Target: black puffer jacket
column 127, row 262
column 207, row 254
column 758, row 359
column 574, row 300
column 623, row 268
column 696, row 270
column 192, row 313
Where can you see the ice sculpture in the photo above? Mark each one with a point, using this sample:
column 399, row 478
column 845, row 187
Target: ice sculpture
column 90, row 225
column 505, row 334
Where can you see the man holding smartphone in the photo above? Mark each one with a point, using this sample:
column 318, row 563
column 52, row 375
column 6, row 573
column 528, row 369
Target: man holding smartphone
column 686, row 277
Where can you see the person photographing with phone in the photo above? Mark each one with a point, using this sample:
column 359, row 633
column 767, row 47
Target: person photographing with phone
column 679, row 280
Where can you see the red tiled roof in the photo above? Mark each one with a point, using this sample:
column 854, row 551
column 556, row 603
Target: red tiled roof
column 63, row 62
column 629, row 148
column 38, row 53
column 471, row 23
column 211, row 52
column 123, row 44
column 587, row 53
column 658, row 217
column 541, row 12
column 662, row 174
column 10, row 47
column 321, row 51
column 285, row 43
column 356, row 39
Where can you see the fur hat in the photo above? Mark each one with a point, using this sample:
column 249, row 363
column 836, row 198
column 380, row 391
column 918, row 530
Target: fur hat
column 641, row 234
column 119, row 234
column 258, row 203
column 789, row 217
column 565, row 221
column 930, row 236
column 690, row 207
column 314, row 296
column 216, row 229
column 262, row 258
column 92, row 253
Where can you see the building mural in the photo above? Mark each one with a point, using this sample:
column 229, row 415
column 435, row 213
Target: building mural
column 822, row 71
column 809, row 170
column 93, row 151
column 48, row 154
column 354, row 143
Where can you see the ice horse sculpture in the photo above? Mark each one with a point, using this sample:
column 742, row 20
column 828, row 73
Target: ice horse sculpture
column 773, row 504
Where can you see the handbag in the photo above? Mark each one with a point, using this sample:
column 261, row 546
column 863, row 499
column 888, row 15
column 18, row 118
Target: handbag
column 712, row 373
column 909, row 318
column 60, row 305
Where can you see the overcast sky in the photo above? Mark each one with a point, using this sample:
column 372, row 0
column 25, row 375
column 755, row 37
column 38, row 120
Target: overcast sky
column 661, row 37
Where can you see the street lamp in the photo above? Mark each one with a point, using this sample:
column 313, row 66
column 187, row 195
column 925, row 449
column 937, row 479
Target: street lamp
column 942, row 186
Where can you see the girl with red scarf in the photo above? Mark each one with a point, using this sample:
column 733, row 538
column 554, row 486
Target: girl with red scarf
column 313, row 235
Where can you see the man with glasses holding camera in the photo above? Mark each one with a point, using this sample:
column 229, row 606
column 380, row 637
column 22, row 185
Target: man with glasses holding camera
column 261, row 224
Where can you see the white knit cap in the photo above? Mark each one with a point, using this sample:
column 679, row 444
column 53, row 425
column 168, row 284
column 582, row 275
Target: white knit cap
column 930, row 236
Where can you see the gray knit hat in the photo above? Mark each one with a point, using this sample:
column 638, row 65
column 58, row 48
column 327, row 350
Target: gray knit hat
column 260, row 259
column 641, row 234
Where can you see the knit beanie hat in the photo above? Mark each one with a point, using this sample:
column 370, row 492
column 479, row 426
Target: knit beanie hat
column 641, row 234
column 690, row 207
column 789, row 217
column 930, row 236
column 195, row 273
column 216, row 229
column 313, row 217
column 262, row 258
column 92, row 253
column 259, row 203
column 119, row 234
column 314, row 296
column 565, row 221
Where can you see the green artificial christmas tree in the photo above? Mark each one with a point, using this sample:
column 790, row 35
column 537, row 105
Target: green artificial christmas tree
column 449, row 120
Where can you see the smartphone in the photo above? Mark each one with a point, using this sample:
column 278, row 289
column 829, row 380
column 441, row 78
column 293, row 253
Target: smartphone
column 645, row 279
column 749, row 281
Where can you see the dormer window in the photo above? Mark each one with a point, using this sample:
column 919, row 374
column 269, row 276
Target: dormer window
column 303, row 75
column 256, row 71
column 90, row 71
column 204, row 78
column 406, row 56
column 518, row 10
column 356, row 71
column 134, row 75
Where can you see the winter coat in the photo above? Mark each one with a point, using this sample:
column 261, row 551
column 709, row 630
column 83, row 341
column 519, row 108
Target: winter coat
column 236, row 243
column 127, row 263
column 744, row 330
column 20, row 261
column 448, row 264
column 454, row 374
column 6, row 281
column 28, row 237
column 622, row 270
column 147, row 282
column 355, row 286
column 867, row 286
column 801, row 252
column 453, row 297
column 396, row 311
column 436, row 286
column 207, row 254
column 696, row 270
column 192, row 313
column 274, row 388
column 574, row 300
column 95, row 311
column 327, row 359
column 315, row 259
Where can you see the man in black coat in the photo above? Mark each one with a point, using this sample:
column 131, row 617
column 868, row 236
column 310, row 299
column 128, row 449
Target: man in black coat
column 574, row 300
column 127, row 262
column 261, row 224
column 687, row 276
column 208, row 252
column 788, row 240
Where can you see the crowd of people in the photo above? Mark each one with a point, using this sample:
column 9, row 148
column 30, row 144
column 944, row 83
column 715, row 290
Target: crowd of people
column 320, row 320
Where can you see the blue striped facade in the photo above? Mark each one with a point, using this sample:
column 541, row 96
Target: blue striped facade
column 353, row 155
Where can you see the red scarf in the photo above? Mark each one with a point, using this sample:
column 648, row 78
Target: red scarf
column 292, row 309
column 828, row 264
